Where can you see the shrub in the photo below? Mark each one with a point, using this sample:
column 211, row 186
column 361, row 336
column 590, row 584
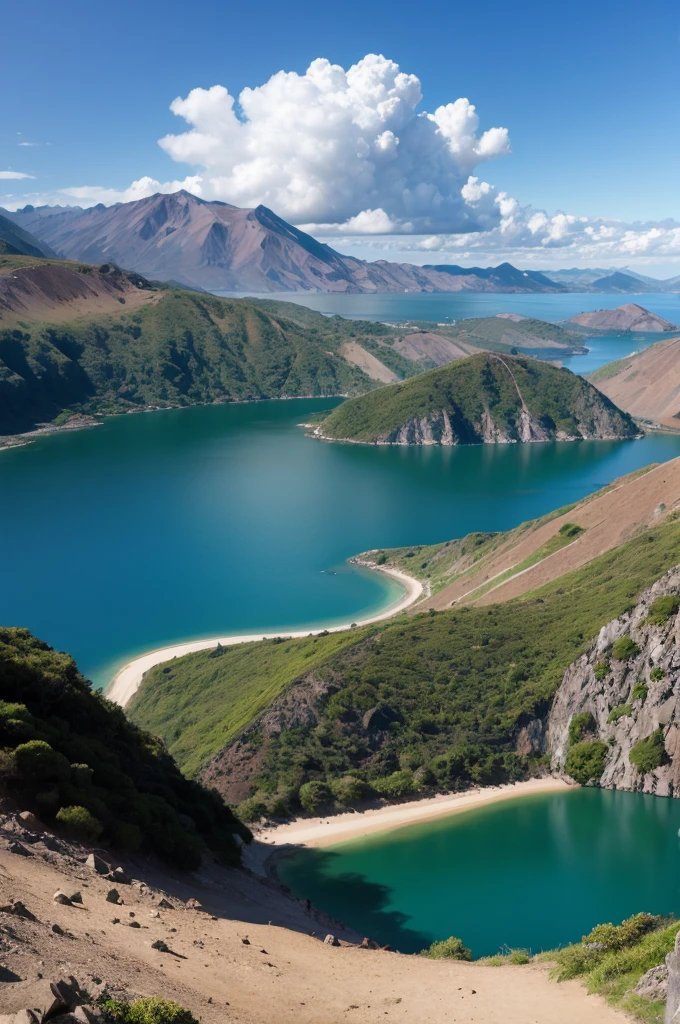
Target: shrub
column 585, row 761
column 314, row 796
column 252, row 809
column 649, row 753
column 381, row 559
column 16, row 723
column 624, row 649
column 570, row 530
column 661, row 610
column 448, row 949
column 601, row 670
column 657, row 674
column 608, row 943
column 149, row 1010
column 580, row 725
column 79, row 823
column 630, row 931
column 623, row 711
column 349, row 790
column 640, row 691
column 519, row 956
column 396, row 785
column 36, row 761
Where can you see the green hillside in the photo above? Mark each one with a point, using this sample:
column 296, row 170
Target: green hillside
column 501, row 334
column 426, row 702
column 482, row 398
column 184, row 349
column 73, row 758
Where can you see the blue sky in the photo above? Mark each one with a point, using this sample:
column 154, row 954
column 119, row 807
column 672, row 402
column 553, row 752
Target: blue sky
column 587, row 91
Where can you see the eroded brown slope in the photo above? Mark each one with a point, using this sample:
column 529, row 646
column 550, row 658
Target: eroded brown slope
column 608, row 519
column 646, row 385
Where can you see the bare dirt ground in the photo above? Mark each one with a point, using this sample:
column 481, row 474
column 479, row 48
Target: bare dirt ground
column 282, row 974
column 608, row 520
column 356, row 354
column 648, row 385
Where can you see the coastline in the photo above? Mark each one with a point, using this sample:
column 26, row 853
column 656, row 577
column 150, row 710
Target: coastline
column 128, row 679
column 318, row 833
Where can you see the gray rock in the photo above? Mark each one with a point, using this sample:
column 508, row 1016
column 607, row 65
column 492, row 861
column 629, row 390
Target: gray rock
column 161, row 946
column 193, row 904
column 19, row 909
column 331, row 940
column 76, row 897
column 112, row 896
column 654, row 984
column 118, row 875
column 61, row 897
column 95, row 863
column 673, row 984
column 28, row 820
column 14, row 847
column 165, row 904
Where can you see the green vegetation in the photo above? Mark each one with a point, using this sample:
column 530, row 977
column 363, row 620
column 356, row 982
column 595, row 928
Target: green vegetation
column 314, row 796
column 556, row 398
column 185, row 349
column 448, row 949
column 640, row 691
column 517, row 957
column 73, row 758
column 662, row 609
column 601, row 670
column 454, row 687
column 623, row 711
column 200, row 702
column 585, row 761
column 580, row 725
column 649, row 753
column 149, row 1010
column 612, row 959
column 657, row 674
column 624, row 649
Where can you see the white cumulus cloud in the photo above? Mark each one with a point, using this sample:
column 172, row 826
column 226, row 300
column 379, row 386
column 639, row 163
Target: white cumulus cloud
column 339, row 148
column 13, row 176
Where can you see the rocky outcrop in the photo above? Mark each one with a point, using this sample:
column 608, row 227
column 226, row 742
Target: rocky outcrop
column 629, row 699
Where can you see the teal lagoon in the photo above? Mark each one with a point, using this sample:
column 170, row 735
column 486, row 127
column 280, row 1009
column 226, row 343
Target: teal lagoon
column 168, row 526
column 532, row 873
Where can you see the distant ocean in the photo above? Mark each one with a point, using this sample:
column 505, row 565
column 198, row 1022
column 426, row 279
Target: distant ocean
column 446, row 309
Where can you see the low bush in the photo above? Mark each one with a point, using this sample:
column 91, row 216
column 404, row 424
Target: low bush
column 149, row 1010
column 604, row 939
column 639, row 691
column 624, row 649
column 80, row 824
column 570, row 530
column 350, row 790
column 601, row 670
column 580, row 725
column 657, row 674
column 661, row 610
column 623, row 711
column 585, row 761
column 398, row 784
column 314, row 796
column 649, row 753
column 448, row 949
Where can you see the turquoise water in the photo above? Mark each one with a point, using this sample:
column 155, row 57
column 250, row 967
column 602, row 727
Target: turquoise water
column 535, row 872
column 169, row 526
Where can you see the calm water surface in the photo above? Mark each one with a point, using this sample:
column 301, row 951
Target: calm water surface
column 157, row 528
column 535, row 872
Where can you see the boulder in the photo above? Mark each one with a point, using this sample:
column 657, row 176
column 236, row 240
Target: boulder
column 95, row 863
column 673, row 984
column 112, row 896
column 14, row 847
column 193, row 904
column 19, row 909
column 76, row 897
column 165, row 904
column 331, row 940
column 654, row 984
column 367, row 943
column 27, row 819
column 118, row 875
column 61, row 897
column 161, row 946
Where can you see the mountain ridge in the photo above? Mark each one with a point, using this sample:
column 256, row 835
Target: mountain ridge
column 219, row 247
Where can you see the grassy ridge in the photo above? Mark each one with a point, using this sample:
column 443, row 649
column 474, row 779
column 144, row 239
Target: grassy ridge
column 453, row 687
column 235, row 685
column 556, row 398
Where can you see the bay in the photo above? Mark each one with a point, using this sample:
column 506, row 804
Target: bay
column 529, row 873
column 168, row 526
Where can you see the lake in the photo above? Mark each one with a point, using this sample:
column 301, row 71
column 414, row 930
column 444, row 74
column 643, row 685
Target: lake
column 532, row 873
column 168, row 526
column 460, row 305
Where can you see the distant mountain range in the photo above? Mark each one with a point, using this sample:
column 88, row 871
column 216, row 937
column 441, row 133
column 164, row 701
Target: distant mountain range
column 218, row 247
column 14, row 241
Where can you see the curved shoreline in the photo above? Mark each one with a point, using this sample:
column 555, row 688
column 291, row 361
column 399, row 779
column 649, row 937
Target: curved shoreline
column 128, row 679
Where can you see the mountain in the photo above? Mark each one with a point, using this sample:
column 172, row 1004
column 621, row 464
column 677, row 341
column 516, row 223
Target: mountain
column 646, row 385
column 485, row 398
column 629, row 317
column 214, row 246
column 503, row 278
column 618, row 282
column 14, row 241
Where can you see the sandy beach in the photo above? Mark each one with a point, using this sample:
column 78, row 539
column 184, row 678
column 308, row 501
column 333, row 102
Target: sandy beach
column 127, row 681
column 340, row 828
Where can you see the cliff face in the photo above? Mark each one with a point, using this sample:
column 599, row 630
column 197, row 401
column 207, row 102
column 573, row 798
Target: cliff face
column 629, row 700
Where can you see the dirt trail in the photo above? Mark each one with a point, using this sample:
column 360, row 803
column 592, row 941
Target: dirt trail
column 608, row 520
column 283, row 974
